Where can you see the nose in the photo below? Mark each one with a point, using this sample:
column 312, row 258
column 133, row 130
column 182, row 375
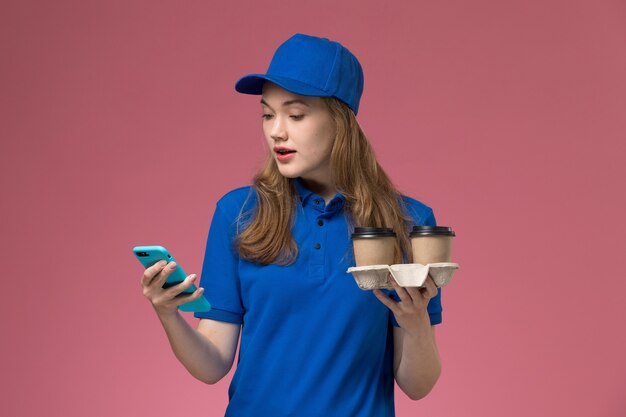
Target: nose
column 278, row 131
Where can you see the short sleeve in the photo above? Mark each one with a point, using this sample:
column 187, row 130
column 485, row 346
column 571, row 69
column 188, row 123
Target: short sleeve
column 220, row 278
column 422, row 215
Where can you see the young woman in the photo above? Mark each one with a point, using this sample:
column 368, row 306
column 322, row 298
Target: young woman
column 312, row 342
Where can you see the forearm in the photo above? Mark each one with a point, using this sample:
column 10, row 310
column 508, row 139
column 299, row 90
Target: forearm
column 420, row 365
column 195, row 351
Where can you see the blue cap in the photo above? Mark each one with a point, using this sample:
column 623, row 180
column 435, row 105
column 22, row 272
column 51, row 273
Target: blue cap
column 311, row 66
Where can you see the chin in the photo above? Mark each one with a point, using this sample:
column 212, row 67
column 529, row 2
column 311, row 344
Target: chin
column 289, row 173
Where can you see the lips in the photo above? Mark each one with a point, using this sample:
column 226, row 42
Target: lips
column 284, row 154
column 281, row 150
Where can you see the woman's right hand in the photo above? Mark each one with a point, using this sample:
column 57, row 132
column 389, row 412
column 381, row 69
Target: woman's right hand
column 165, row 301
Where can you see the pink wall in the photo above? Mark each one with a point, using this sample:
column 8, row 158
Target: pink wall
column 120, row 126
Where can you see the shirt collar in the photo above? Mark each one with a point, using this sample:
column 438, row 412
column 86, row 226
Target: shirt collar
column 302, row 191
column 305, row 194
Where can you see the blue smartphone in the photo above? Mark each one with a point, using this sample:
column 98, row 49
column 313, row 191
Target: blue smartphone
column 149, row 255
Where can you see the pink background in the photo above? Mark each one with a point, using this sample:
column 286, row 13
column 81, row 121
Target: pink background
column 120, row 126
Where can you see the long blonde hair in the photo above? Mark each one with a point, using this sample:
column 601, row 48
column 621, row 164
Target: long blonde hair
column 371, row 198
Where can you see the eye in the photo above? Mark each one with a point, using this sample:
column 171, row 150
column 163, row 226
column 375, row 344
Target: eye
column 297, row 116
column 266, row 116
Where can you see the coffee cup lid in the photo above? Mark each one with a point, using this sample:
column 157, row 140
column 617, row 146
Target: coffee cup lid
column 431, row 231
column 372, row 232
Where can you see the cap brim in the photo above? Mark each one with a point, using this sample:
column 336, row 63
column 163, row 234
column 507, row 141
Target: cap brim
column 253, row 84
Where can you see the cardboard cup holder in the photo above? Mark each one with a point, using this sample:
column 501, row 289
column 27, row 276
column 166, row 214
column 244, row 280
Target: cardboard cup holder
column 406, row 275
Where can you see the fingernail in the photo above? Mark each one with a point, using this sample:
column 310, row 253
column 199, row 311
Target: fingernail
column 162, row 263
column 173, row 265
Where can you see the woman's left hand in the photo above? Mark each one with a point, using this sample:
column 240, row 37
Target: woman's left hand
column 410, row 312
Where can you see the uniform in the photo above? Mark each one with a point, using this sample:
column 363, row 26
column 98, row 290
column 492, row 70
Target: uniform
column 312, row 342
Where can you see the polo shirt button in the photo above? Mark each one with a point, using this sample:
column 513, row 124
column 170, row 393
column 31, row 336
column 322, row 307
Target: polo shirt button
column 320, row 222
column 317, row 201
column 317, row 246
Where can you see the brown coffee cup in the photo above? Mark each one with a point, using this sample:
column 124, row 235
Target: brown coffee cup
column 431, row 244
column 373, row 245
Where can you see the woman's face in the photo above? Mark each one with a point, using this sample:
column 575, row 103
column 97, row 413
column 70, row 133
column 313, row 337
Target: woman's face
column 299, row 131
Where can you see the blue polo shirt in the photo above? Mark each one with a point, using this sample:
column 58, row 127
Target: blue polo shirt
column 312, row 343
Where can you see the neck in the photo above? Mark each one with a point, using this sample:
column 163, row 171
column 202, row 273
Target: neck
column 325, row 189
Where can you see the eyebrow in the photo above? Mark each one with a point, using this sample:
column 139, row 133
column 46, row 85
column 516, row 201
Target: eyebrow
column 287, row 103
